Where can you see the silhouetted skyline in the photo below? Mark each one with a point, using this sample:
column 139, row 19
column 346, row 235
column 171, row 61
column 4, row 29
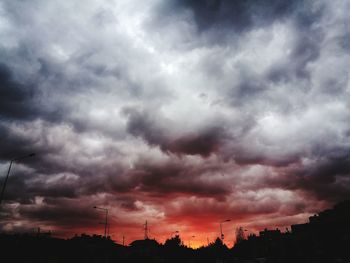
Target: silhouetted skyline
column 323, row 239
column 183, row 113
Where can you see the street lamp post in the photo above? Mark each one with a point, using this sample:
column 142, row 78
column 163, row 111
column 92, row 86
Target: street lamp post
column 8, row 173
column 222, row 234
column 106, row 222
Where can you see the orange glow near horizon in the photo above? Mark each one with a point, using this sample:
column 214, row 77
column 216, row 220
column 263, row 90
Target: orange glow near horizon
column 202, row 237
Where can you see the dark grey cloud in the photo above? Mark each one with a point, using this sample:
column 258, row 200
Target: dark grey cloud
column 157, row 131
column 237, row 15
column 176, row 177
column 66, row 214
column 25, row 99
column 327, row 179
column 13, row 145
column 17, row 99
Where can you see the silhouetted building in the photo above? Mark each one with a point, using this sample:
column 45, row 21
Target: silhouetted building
column 325, row 238
column 144, row 244
column 270, row 234
column 300, row 228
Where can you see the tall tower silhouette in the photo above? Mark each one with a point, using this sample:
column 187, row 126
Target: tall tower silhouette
column 146, row 230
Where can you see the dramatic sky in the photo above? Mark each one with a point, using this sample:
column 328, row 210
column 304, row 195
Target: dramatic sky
column 180, row 112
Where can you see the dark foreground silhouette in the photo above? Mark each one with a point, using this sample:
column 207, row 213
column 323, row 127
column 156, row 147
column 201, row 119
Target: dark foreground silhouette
column 326, row 238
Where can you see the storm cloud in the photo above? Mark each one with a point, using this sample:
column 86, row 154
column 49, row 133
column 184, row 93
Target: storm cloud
column 171, row 111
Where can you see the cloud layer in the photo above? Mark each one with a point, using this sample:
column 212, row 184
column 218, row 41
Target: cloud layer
column 182, row 113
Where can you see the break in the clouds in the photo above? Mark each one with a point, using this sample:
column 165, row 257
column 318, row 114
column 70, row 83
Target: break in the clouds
column 182, row 113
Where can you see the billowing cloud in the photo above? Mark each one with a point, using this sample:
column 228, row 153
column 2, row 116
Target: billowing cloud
column 182, row 113
column 158, row 131
column 237, row 15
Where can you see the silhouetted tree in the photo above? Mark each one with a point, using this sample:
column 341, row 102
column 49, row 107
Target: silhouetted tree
column 218, row 242
column 239, row 235
column 173, row 242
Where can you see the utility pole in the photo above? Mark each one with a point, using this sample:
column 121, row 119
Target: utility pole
column 106, row 223
column 146, row 230
column 123, row 240
column 106, row 218
column 222, row 234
